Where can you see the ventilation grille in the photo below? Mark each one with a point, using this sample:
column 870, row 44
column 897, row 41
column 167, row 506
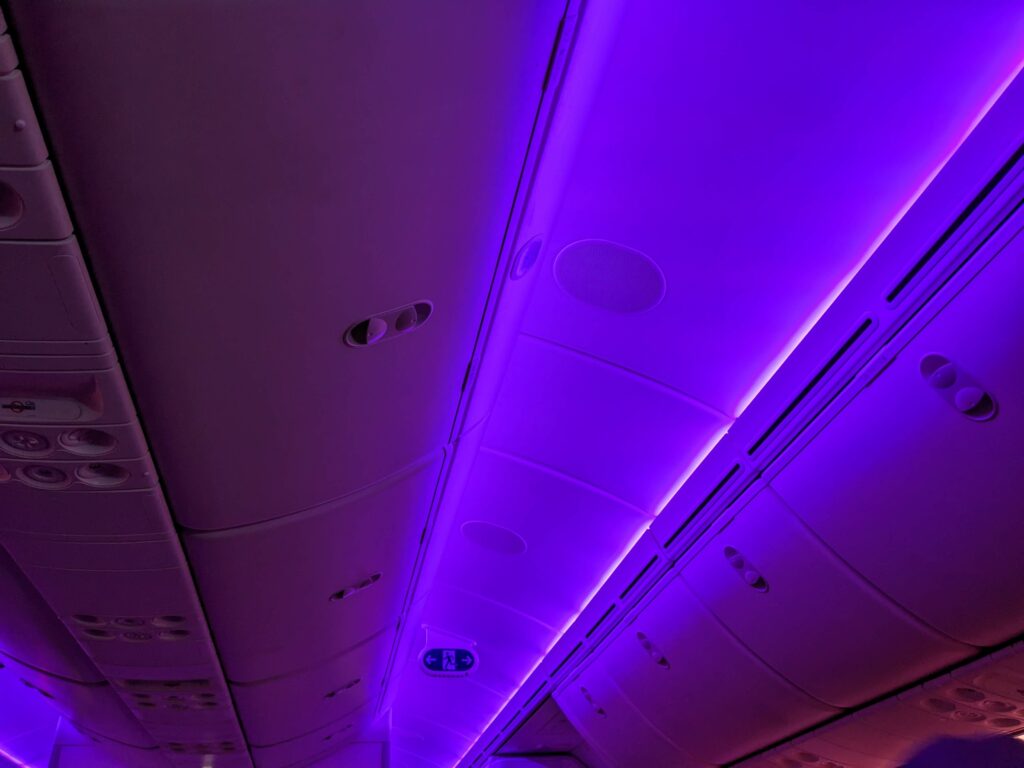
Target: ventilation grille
column 636, row 579
column 600, row 621
column 911, row 277
column 569, row 657
column 833, row 362
column 704, row 504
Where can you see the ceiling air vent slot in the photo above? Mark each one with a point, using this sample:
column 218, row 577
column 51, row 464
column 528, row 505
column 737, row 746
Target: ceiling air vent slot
column 920, row 265
column 600, row 621
column 703, row 505
column 533, row 697
column 569, row 657
column 636, row 579
column 821, row 374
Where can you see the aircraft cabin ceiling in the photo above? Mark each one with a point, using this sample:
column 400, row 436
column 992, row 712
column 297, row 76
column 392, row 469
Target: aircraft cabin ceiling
column 565, row 383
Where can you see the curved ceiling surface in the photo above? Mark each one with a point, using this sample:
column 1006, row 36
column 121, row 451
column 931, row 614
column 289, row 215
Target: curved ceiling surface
column 751, row 158
column 428, row 314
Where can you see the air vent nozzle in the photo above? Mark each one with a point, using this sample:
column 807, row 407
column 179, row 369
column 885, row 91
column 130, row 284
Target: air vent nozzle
column 388, row 325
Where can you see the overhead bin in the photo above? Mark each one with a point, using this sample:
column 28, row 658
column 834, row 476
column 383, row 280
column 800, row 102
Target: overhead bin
column 32, row 634
column 432, row 735
column 540, row 565
column 463, row 705
column 916, row 484
column 334, row 575
column 284, row 708
column 593, row 421
column 795, row 605
column 979, row 700
column 316, row 745
column 546, row 730
column 694, row 682
column 129, row 604
column 94, row 705
column 613, row 726
column 29, row 722
column 331, row 173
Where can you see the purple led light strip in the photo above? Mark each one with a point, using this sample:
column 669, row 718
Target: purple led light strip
column 16, row 761
column 759, row 384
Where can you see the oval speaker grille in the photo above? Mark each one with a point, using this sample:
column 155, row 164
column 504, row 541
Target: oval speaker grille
column 609, row 276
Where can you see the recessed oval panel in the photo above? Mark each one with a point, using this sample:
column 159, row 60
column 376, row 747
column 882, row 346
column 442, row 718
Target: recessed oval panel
column 493, row 537
column 610, row 276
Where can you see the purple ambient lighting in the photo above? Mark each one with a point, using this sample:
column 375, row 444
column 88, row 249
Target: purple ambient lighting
column 593, row 381
column 820, row 310
column 13, row 760
column 764, row 377
column 27, row 723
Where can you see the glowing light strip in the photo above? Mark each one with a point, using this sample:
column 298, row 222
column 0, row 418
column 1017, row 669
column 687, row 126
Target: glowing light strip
column 820, row 310
column 697, row 460
column 558, row 636
column 759, row 384
column 17, row 761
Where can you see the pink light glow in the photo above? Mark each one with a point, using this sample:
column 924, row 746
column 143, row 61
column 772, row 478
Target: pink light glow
column 760, row 382
column 830, row 299
column 16, row 761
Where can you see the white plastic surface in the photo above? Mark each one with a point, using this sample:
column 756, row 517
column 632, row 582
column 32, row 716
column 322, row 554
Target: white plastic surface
column 920, row 499
column 816, row 622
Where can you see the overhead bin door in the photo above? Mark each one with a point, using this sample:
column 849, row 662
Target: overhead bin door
column 801, row 609
column 924, row 497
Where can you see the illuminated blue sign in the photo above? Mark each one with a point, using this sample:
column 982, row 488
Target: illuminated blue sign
column 453, row 662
